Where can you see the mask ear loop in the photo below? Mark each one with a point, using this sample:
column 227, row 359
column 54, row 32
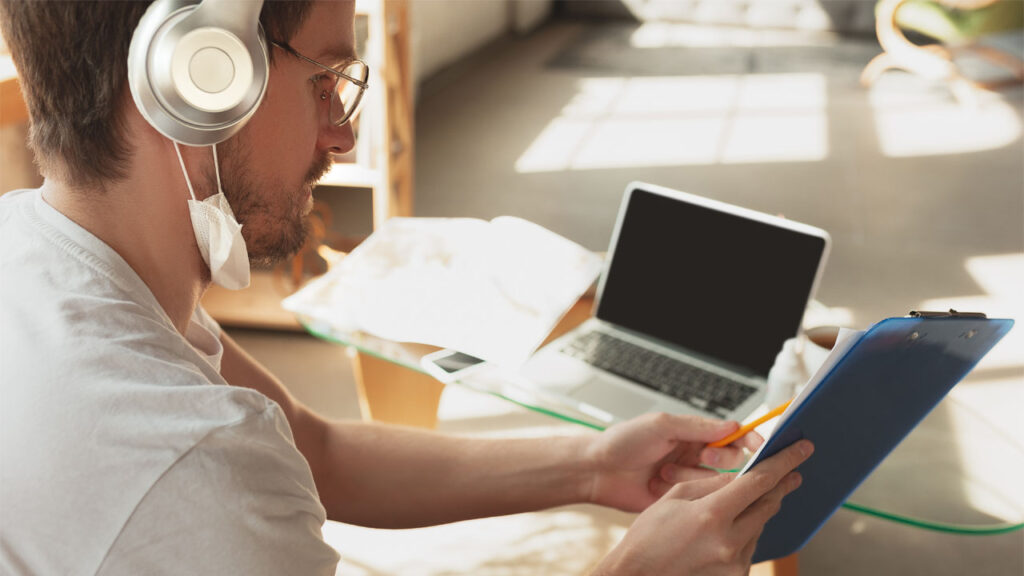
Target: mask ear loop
column 216, row 168
column 188, row 181
column 185, row 172
column 226, row 206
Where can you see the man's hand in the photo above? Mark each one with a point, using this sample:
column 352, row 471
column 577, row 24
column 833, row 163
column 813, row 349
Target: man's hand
column 708, row 526
column 636, row 462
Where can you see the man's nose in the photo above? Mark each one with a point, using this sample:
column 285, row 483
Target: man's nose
column 337, row 139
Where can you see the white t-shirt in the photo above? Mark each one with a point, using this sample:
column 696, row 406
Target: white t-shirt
column 122, row 449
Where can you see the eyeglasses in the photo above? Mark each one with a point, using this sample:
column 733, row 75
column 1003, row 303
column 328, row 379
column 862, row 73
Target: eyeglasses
column 349, row 84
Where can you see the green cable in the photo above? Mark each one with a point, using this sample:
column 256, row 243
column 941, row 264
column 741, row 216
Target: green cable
column 942, row 526
column 935, row 526
column 906, row 520
column 917, row 522
column 545, row 411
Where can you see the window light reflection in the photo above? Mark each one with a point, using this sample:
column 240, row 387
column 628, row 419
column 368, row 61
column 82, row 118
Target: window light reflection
column 1001, row 277
column 675, row 34
column 914, row 122
column 688, row 120
column 986, row 435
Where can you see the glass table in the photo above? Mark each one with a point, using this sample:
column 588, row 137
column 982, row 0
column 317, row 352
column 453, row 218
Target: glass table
column 956, row 472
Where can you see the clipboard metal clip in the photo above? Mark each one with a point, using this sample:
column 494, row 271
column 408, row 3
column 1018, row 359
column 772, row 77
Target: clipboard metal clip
column 951, row 314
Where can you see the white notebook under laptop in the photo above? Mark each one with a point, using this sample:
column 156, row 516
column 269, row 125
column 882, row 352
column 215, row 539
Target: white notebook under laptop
column 696, row 300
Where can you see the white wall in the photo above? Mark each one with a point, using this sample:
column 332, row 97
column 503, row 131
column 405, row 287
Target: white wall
column 443, row 31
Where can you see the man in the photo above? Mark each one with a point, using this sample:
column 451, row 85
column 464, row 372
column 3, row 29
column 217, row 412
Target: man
column 137, row 438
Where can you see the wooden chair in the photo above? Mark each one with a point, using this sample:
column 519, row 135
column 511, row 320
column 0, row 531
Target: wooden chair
column 957, row 25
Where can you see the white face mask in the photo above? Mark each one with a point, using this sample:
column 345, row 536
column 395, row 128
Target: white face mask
column 218, row 234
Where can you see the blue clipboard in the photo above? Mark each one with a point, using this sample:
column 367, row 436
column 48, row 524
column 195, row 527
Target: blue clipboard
column 881, row 388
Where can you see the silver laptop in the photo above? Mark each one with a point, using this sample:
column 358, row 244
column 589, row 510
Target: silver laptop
column 696, row 300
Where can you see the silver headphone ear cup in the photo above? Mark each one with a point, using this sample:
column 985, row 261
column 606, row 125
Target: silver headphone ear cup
column 192, row 78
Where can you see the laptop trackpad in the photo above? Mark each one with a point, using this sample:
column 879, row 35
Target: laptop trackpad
column 620, row 403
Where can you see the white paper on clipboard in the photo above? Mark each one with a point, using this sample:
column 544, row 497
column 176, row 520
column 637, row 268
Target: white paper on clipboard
column 845, row 340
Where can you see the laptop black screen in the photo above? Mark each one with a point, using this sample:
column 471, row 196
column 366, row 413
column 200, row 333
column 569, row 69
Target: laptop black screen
column 718, row 284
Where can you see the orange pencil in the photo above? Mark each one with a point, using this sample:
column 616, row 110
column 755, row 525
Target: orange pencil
column 748, row 427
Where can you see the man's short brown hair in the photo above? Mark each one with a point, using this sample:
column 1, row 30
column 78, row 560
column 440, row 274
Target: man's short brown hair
column 72, row 62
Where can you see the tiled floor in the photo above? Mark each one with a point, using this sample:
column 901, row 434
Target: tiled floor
column 924, row 198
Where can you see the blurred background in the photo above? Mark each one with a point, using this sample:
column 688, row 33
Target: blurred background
column 895, row 126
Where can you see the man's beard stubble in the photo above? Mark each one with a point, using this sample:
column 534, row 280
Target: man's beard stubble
column 273, row 218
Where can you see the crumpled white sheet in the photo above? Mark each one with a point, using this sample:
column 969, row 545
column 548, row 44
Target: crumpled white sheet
column 491, row 289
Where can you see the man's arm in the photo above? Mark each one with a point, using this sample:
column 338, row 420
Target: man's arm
column 393, row 477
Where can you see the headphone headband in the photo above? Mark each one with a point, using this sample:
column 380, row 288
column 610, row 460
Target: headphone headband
column 197, row 72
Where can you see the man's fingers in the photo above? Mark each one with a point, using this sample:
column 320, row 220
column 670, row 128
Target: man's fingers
column 725, row 457
column 700, row 488
column 731, row 456
column 761, row 479
column 690, row 428
column 750, row 524
column 748, row 550
column 754, row 518
column 751, row 441
column 674, row 473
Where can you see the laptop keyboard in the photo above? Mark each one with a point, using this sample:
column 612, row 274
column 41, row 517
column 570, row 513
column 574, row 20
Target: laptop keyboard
column 705, row 390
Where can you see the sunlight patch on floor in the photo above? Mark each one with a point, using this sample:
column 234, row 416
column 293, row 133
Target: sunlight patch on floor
column 920, row 122
column 564, row 541
column 1001, row 276
column 663, row 34
column 686, row 120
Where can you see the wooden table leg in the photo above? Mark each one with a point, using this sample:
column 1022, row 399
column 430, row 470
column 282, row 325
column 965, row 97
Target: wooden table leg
column 787, row 566
column 392, row 393
column 389, row 392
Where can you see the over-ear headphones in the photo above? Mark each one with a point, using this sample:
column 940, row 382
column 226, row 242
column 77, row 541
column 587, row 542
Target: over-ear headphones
column 198, row 70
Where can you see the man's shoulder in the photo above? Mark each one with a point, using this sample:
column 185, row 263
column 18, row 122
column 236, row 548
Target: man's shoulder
column 9, row 199
column 243, row 486
column 16, row 208
column 133, row 383
column 48, row 256
column 79, row 462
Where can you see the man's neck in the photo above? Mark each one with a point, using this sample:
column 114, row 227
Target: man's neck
column 145, row 219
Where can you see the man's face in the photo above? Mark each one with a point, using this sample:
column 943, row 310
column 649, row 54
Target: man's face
column 269, row 168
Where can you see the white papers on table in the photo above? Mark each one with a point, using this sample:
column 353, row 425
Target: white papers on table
column 490, row 289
